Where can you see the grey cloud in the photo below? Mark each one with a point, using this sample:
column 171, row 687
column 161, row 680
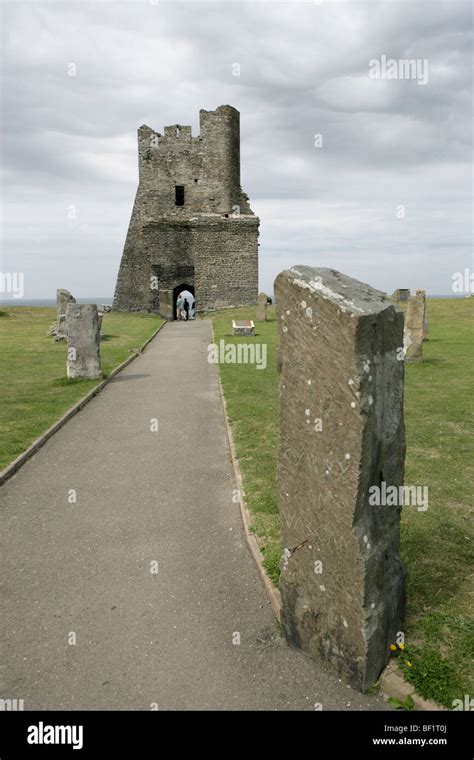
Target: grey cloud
column 304, row 70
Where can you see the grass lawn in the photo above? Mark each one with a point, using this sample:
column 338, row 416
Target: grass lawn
column 33, row 385
column 437, row 545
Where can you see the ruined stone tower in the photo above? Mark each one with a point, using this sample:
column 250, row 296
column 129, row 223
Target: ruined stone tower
column 191, row 226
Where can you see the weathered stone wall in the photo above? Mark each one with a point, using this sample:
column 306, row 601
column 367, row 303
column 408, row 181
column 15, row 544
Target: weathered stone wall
column 341, row 432
column 132, row 290
column 208, row 166
column 218, row 256
column 203, row 236
column 226, row 262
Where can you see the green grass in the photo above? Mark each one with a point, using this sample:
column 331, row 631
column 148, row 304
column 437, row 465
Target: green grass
column 252, row 406
column 33, row 385
column 437, row 545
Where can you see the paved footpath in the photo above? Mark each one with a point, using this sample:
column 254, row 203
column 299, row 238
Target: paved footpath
column 84, row 569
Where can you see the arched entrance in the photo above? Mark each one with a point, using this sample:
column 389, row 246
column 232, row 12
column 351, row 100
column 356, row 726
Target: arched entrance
column 183, row 288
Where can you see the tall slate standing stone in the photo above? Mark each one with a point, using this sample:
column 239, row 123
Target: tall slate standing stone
column 262, row 304
column 166, row 305
column 58, row 328
column 63, row 298
column 415, row 327
column 83, row 341
column 426, row 326
column 341, row 432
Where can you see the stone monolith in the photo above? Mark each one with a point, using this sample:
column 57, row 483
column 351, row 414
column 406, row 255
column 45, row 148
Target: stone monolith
column 83, row 341
column 414, row 327
column 166, row 305
column 63, row 298
column 58, row 328
column 60, row 332
column 262, row 304
column 426, row 324
column 341, row 435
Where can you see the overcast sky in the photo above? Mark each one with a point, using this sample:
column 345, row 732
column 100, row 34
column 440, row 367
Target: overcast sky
column 69, row 142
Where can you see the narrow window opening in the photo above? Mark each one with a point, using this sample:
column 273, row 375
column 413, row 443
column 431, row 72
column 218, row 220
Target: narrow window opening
column 179, row 195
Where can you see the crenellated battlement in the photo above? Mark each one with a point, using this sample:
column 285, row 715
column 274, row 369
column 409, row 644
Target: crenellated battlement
column 207, row 166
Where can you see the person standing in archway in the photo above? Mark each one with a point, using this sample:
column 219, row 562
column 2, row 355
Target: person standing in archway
column 179, row 306
column 186, row 309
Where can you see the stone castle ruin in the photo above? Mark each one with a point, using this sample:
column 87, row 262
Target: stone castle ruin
column 191, row 227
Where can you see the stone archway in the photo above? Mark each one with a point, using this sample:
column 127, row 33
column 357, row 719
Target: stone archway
column 179, row 289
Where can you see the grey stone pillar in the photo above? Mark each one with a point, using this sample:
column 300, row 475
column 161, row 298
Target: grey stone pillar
column 63, row 298
column 341, row 433
column 426, row 324
column 262, row 304
column 60, row 328
column 166, row 304
column 83, row 341
column 415, row 327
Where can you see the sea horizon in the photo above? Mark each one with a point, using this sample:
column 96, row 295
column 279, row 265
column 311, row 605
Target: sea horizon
column 104, row 301
column 45, row 302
